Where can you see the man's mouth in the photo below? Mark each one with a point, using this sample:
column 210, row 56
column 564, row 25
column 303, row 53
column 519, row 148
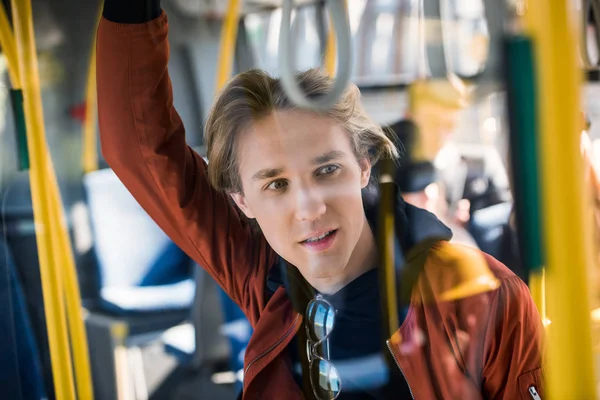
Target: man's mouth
column 320, row 243
column 319, row 238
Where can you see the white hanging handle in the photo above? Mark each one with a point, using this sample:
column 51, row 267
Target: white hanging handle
column 287, row 57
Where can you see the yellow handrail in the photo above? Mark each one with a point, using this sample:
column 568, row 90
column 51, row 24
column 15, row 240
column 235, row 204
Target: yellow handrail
column 570, row 372
column 57, row 265
column 227, row 44
column 537, row 286
column 72, row 294
column 89, row 158
column 7, row 41
column 330, row 51
column 49, row 273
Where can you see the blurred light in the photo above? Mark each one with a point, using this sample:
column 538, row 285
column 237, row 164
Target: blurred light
column 224, row 378
column 252, row 21
column 273, row 35
column 479, row 186
column 432, row 191
column 445, row 156
column 385, row 3
column 469, row 9
column 490, row 130
column 82, row 232
column 355, row 12
column 585, row 143
column 380, row 53
column 596, row 315
column 239, row 330
column 546, row 322
column 490, row 125
column 596, row 153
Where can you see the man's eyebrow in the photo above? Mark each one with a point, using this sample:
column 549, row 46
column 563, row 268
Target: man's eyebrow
column 267, row 173
column 329, row 156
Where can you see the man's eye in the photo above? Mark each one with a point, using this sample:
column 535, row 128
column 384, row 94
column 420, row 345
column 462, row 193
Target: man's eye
column 277, row 185
column 328, row 170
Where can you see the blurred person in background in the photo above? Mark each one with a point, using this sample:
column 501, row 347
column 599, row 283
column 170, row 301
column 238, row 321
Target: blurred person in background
column 432, row 117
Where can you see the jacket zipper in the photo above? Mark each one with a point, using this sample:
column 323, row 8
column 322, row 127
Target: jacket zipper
column 412, row 396
column 534, row 394
column 273, row 346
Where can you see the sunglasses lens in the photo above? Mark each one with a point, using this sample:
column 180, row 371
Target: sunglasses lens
column 321, row 316
column 325, row 380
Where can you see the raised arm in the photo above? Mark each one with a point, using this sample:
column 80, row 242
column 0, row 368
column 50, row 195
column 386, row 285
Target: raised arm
column 143, row 141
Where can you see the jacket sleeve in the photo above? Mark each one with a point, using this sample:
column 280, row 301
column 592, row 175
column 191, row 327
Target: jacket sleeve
column 513, row 357
column 143, row 141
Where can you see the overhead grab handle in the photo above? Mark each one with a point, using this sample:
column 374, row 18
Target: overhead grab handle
column 447, row 22
column 287, row 57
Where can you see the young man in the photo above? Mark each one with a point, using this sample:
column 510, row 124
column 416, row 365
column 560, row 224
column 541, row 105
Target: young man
column 307, row 277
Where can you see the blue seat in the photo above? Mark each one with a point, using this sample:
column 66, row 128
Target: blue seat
column 20, row 365
column 180, row 342
column 492, row 230
column 237, row 329
column 140, row 269
column 487, row 225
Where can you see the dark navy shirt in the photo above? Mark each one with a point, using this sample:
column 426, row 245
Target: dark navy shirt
column 357, row 346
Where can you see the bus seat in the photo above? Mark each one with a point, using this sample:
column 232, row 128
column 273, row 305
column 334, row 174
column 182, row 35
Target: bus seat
column 174, row 296
column 487, row 227
column 494, row 234
column 20, row 369
column 237, row 329
column 140, row 268
column 230, row 323
column 180, row 342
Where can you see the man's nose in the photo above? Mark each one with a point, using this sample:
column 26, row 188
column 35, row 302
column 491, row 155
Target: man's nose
column 310, row 204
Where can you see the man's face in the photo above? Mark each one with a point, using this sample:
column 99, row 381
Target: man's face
column 302, row 183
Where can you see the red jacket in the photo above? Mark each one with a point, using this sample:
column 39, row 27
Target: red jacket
column 483, row 346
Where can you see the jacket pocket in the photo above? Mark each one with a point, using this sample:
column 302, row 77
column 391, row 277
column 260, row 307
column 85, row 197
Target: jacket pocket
column 531, row 385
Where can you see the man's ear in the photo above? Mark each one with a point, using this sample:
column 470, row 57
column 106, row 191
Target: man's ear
column 365, row 171
column 240, row 201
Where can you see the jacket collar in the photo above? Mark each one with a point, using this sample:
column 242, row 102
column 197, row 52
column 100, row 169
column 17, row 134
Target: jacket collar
column 288, row 293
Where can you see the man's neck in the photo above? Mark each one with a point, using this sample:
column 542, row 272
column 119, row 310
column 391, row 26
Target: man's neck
column 364, row 258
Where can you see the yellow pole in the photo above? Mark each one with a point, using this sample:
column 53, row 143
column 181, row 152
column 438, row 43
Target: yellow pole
column 72, row 294
column 62, row 253
column 227, row 45
column 330, row 51
column 50, row 275
column 89, row 160
column 90, row 151
column 7, row 41
column 570, row 372
column 537, row 285
column 386, row 238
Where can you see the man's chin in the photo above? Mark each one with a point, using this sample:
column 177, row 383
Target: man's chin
column 325, row 272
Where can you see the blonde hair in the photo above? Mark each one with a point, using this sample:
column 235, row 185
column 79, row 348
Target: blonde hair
column 254, row 94
column 452, row 94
